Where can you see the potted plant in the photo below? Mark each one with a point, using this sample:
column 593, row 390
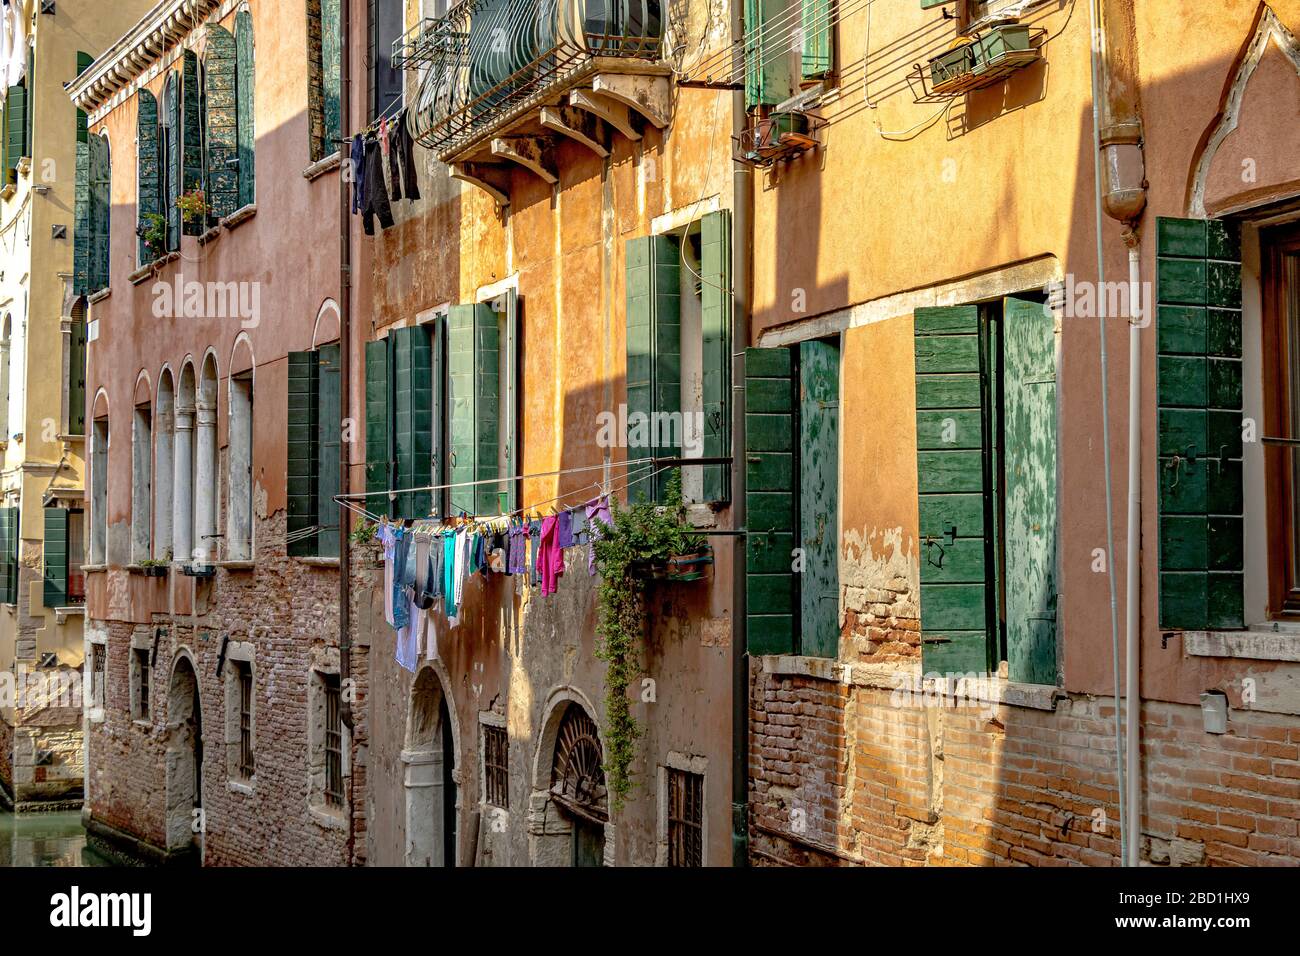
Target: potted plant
column 193, row 206
column 155, row 567
column 1005, row 43
column 952, row 68
column 152, row 231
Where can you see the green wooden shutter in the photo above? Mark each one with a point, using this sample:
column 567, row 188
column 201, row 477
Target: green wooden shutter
column 1199, row 399
column 331, row 76
column 56, row 557
column 817, row 51
column 768, row 77
column 302, row 442
column 716, row 301
column 473, row 375
column 77, row 379
column 220, row 116
column 191, row 133
column 247, row 125
column 927, row 4
column 8, row 555
column 771, row 585
column 81, row 225
column 101, row 208
column 654, row 363
column 510, row 383
column 952, row 490
column 148, row 170
column 15, row 127
column 175, row 164
column 1029, row 389
column 379, row 472
column 819, row 486
column 83, row 63
column 329, row 425
column 413, row 418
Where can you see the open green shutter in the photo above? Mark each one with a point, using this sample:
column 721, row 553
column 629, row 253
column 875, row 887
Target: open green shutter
column 101, row 207
column 716, row 301
column 771, row 585
column 222, row 122
column 819, row 492
column 148, row 170
column 77, row 379
column 378, row 416
column 816, row 25
column 191, row 133
column 8, row 555
column 509, row 395
column 56, row 557
column 81, row 224
column 474, row 387
column 654, row 362
column 768, row 77
column 15, row 127
column 1029, row 407
column 83, row 63
column 302, row 445
column 175, row 160
column 1199, row 399
column 245, row 87
column 927, row 4
column 331, row 79
column 328, row 428
column 951, row 457
column 413, row 434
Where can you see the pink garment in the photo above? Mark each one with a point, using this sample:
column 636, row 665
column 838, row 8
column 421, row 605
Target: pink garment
column 550, row 557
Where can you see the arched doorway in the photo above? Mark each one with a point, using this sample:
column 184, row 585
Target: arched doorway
column 184, row 762
column 430, row 772
column 578, row 785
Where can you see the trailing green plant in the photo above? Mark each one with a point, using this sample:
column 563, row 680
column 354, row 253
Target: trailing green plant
column 363, row 532
column 153, row 230
column 642, row 535
column 193, row 205
column 155, row 562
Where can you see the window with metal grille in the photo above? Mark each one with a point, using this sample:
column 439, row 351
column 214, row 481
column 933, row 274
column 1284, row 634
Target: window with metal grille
column 685, row 818
column 333, row 742
column 244, row 671
column 496, row 764
column 142, row 683
column 97, row 654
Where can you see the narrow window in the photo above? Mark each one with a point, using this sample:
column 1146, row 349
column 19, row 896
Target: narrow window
column 76, row 371
column 324, row 44
column 99, row 493
column 76, row 557
column 496, row 761
column 140, row 668
column 164, row 468
column 314, row 429
column 685, row 818
column 333, row 741
column 141, row 483
column 1281, row 279
column 98, row 656
column 239, row 513
column 386, row 27
column 244, row 679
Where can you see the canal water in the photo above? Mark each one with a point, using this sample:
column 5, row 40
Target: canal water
column 45, row 839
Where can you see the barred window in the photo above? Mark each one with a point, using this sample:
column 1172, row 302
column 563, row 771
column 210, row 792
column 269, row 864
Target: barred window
column 685, row 818
column 142, row 683
column 98, row 652
column 247, row 765
column 333, row 742
column 496, row 766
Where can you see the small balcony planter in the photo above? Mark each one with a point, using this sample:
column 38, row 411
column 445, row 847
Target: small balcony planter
column 154, row 570
column 952, row 70
column 681, row 568
column 1003, row 46
column 201, row 571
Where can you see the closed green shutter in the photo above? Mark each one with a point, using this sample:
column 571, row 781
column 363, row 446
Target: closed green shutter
column 771, row 585
column 247, row 125
column 8, row 555
column 83, row 63
column 1029, row 390
column 817, row 53
column 81, row 222
column 716, row 302
column 56, row 557
column 328, row 425
column 474, row 383
column 927, row 4
column 654, row 363
column 175, row 165
column 509, row 395
column 15, row 128
column 1199, row 399
column 413, row 418
column 77, row 379
column 148, row 168
column 220, row 112
column 331, row 65
column 768, row 77
column 952, row 491
column 819, row 486
column 101, row 207
column 191, row 135
column 302, row 443
column 379, row 470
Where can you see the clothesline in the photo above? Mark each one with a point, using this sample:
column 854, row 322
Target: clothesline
column 391, row 492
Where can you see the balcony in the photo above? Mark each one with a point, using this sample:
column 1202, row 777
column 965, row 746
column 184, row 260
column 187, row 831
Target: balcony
column 502, row 81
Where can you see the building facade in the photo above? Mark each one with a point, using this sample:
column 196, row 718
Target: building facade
column 42, row 400
column 981, row 490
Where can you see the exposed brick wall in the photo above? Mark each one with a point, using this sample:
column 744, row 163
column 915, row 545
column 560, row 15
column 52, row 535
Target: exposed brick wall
column 287, row 609
column 843, row 774
column 6, row 755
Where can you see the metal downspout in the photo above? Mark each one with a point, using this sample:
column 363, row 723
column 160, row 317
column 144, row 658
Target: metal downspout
column 345, row 402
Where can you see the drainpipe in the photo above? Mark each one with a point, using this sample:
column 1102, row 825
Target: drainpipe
column 1122, row 189
column 345, row 402
column 742, row 235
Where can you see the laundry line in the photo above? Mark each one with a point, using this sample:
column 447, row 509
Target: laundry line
column 364, row 495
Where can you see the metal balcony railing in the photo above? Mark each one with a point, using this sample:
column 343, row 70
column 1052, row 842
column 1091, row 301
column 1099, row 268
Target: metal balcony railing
column 488, row 58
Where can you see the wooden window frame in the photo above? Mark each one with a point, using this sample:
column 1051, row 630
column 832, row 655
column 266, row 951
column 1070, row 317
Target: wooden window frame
column 1281, row 388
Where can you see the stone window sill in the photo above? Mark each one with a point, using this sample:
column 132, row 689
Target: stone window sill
column 210, row 235
column 99, row 296
column 323, row 166
column 319, row 562
column 142, row 274
column 246, row 787
column 1256, row 644
column 61, row 614
column 237, row 565
column 329, row 819
column 240, row 216
column 93, row 568
column 143, row 723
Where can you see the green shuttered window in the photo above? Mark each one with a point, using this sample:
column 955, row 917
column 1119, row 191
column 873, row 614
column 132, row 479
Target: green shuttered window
column 55, row 590
column 769, row 78
column 9, row 555
column 83, row 63
column 245, row 85
column 77, row 379
column 191, row 135
column 473, row 394
column 1199, row 427
column 314, row 422
column 81, row 223
column 92, row 201
column 816, row 22
column 173, row 158
column 716, row 314
column 324, row 45
column 413, row 418
column 148, row 162
column 221, row 116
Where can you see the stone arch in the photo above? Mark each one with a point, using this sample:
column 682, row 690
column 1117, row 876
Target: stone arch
column 207, row 466
column 328, row 321
column 183, row 452
column 99, row 446
column 431, row 776
column 239, row 454
column 554, row 832
column 183, row 758
column 164, row 463
column 142, row 469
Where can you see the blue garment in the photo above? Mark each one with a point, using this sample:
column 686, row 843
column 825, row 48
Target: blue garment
column 449, row 573
column 357, row 158
column 564, row 531
column 401, row 603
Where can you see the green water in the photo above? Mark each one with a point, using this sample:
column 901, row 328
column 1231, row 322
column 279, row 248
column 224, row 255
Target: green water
column 45, row 839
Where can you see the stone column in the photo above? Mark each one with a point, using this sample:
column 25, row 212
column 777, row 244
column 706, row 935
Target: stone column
column 183, row 487
column 205, row 484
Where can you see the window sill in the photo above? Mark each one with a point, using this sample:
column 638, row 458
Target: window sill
column 99, row 296
column 322, row 166
column 143, row 723
column 319, row 562
column 143, row 273
column 210, row 235
column 95, row 715
column 238, row 565
column 1255, row 644
column 329, row 819
column 93, row 568
column 246, row 787
column 61, row 614
column 240, row 216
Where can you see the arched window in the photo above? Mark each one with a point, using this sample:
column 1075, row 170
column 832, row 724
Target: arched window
column 324, row 56
column 206, row 466
column 169, row 154
column 183, row 472
column 228, row 116
column 239, row 508
column 99, row 485
column 4, row 374
column 142, row 478
column 164, row 465
column 151, row 226
column 93, row 203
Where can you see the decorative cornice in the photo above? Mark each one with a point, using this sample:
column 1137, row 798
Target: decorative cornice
column 163, row 27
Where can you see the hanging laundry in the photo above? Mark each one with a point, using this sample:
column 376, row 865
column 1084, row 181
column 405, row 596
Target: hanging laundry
column 387, row 539
column 402, row 152
column 375, row 201
column 449, row 573
column 550, row 558
column 516, row 563
column 598, row 518
column 534, row 544
column 357, row 157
